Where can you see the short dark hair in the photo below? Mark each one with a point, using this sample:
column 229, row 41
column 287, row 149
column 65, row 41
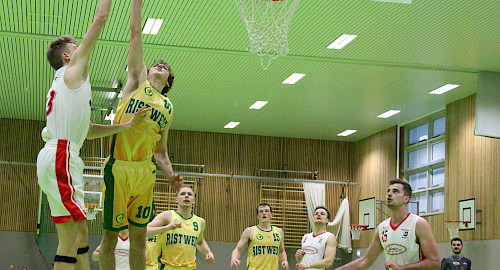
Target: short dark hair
column 322, row 207
column 263, row 204
column 406, row 186
column 171, row 76
column 456, row 239
column 56, row 48
column 183, row 186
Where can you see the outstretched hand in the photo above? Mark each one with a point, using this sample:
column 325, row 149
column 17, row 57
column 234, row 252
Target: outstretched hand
column 139, row 116
column 176, row 181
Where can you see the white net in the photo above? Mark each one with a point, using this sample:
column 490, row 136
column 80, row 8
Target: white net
column 91, row 210
column 267, row 23
column 356, row 231
column 453, row 228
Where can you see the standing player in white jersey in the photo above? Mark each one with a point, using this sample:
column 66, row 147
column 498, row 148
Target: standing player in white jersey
column 405, row 238
column 319, row 247
column 59, row 168
column 122, row 251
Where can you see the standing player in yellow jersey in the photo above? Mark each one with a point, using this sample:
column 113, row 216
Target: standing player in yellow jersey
column 130, row 172
column 180, row 234
column 265, row 244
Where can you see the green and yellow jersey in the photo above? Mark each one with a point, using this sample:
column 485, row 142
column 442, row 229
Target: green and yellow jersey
column 178, row 246
column 264, row 249
column 139, row 143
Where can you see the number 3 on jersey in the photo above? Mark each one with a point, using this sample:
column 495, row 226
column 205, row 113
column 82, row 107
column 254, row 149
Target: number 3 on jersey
column 50, row 101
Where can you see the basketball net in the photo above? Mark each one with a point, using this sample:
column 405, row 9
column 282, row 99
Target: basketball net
column 454, row 227
column 267, row 23
column 91, row 210
column 356, row 230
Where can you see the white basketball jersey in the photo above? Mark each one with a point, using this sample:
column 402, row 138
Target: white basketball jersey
column 122, row 251
column 68, row 111
column 314, row 247
column 400, row 241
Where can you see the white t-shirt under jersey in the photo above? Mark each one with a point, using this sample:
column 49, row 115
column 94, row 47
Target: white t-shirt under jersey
column 67, row 111
column 314, row 247
column 400, row 241
column 122, row 251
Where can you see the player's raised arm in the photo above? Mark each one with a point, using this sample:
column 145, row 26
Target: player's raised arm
column 78, row 67
column 137, row 72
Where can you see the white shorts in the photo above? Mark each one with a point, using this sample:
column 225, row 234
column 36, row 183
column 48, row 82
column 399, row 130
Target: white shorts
column 60, row 176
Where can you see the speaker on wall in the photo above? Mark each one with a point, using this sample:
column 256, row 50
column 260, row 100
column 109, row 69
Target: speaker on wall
column 487, row 122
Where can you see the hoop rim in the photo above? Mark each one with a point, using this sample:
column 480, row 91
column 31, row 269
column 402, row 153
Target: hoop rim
column 359, row 226
column 456, row 221
column 92, row 205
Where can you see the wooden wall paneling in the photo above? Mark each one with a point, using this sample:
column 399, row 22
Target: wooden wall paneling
column 374, row 164
column 472, row 170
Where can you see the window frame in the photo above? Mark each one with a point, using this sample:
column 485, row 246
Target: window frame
column 428, row 167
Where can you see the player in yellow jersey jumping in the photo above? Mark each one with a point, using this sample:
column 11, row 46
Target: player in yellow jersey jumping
column 180, row 233
column 265, row 244
column 130, row 172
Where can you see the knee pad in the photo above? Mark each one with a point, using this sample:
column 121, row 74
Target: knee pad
column 65, row 259
column 83, row 250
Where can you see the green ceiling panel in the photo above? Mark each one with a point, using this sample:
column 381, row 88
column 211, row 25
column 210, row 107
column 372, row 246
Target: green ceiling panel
column 401, row 53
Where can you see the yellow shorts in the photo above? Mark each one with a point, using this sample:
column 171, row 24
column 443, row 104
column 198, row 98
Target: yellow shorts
column 128, row 193
column 170, row 267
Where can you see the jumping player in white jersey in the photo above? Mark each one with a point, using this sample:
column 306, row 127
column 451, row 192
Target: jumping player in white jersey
column 59, row 168
column 319, row 247
column 405, row 238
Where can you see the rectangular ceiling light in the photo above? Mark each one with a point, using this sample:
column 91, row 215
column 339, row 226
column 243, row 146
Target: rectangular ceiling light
column 340, row 42
column 346, row 133
column 231, row 124
column 443, row 89
column 388, row 114
column 257, row 105
column 293, row 78
column 152, row 26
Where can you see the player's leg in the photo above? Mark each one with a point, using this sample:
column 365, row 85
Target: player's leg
column 82, row 254
column 115, row 218
column 137, row 255
column 65, row 258
column 140, row 213
column 107, row 251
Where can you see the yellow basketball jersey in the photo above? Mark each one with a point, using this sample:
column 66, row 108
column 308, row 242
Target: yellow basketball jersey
column 264, row 249
column 151, row 253
column 139, row 143
column 178, row 246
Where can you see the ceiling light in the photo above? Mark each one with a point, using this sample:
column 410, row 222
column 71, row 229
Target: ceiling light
column 293, row 78
column 388, row 114
column 257, row 105
column 346, row 133
column 340, row 42
column 231, row 124
column 444, row 89
column 152, row 26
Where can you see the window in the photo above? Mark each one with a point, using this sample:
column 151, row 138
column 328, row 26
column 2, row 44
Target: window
column 424, row 154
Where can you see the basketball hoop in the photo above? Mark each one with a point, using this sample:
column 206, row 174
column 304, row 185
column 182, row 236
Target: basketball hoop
column 267, row 23
column 454, row 227
column 356, row 230
column 91, row 209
